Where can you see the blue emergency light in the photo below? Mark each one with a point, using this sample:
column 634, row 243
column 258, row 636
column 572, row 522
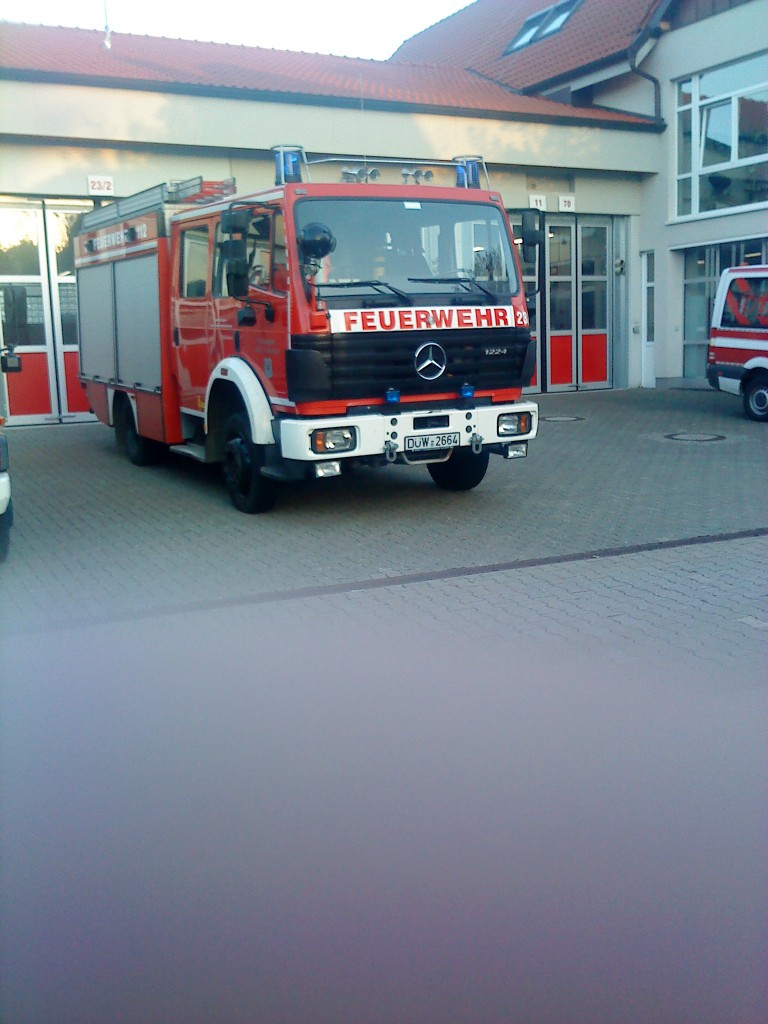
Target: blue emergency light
column 287, row 164
column 392, row 395
column 467, row 391
column 467, row 172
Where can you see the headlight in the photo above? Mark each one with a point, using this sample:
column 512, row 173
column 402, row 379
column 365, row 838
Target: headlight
column 333, row 440
column 513, row 423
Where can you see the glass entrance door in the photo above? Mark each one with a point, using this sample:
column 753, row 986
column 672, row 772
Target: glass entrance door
column 37, row 261
column 578, row 303
column 530, row 285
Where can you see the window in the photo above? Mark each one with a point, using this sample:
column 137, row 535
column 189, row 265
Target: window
column 688, row 12
column 746, row 304
column 648, row 328
column 444, row 250
column 650, row 296
column 543, row 24
column 194, row 262
column 722, row 138
column 265, row 254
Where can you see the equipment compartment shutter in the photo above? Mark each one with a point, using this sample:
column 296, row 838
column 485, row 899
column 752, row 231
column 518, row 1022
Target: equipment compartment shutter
column 137, row 305
column 97, row 322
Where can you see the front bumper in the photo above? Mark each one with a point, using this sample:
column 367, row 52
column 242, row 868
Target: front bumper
column 5, row 492
column 5, row 479
column 384, row 434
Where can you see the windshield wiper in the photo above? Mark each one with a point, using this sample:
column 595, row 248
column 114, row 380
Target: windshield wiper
column 468, row 280
column 377, row 285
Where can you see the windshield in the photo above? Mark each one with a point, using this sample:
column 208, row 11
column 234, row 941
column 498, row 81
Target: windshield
column 389, row 251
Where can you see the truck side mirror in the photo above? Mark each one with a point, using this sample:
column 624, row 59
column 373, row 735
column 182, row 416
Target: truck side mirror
column 237, row 279
column 235, row 222
column 532, row 235
column 235, row 257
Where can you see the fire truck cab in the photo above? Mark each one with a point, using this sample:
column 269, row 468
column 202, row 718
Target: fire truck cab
column 310, row 327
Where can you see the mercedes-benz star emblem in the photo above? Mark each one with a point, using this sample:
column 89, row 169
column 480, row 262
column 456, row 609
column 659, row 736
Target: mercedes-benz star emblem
column 430, row 361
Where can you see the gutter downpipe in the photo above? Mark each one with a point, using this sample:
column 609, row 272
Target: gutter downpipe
column 632, row 59
column 651, row 30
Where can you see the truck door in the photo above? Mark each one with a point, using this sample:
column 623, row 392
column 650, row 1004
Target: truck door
column 192, row 334
column 264, row 341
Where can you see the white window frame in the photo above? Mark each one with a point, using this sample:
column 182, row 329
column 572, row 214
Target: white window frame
column 542, row 24
column 697, row 108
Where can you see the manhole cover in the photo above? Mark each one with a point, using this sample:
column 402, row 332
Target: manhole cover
column 561, row 419
column 700, row 438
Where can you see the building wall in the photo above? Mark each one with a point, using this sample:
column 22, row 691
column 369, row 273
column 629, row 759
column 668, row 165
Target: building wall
column 713, row 41
column 56, row 136
column 223, row 128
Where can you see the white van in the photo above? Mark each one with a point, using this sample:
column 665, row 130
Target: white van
column 6, row 505
column 737, row 358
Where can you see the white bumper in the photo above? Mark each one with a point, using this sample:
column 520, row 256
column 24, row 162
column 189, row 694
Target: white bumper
column 380, row 433
column 5, row 492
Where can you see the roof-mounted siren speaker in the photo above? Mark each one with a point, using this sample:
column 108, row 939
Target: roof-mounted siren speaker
column 360, row 174
column 468, row 171
column 288, row 160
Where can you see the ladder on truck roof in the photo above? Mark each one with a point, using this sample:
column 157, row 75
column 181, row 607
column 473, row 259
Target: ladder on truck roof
column 193, row 190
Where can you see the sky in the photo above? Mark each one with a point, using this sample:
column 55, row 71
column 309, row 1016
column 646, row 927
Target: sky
column 343, row 27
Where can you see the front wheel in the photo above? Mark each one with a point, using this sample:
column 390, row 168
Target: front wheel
column 249, row 490
column 756, row 399
column 461, row 472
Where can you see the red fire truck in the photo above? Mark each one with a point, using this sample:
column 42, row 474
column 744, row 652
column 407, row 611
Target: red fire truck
column 315, row 326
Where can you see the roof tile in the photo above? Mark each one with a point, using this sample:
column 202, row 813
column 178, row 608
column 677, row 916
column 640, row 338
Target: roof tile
column 77, row 55
column 476, row 37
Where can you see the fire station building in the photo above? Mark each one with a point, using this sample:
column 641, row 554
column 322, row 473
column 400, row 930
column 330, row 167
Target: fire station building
column 638, row 130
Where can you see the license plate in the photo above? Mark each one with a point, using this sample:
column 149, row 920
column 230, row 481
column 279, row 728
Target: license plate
column 430, row 442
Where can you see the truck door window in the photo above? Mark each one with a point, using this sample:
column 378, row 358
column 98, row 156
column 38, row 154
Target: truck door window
column 280, row 257
column 194, row 262
column 265, row 252
column 259, row 247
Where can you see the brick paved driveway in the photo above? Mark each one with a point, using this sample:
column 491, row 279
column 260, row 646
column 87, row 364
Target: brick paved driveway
column 390, row 754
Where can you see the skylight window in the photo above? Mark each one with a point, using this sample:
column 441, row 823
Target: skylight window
column 543, row 24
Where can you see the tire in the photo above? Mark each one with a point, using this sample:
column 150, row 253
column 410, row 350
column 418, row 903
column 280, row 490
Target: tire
column 249, row 490
column 756, row 399
column 461, row 472
column 140, row 450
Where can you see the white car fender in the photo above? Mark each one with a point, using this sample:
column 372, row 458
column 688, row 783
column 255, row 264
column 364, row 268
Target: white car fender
column 258, row 408
column 757, row 363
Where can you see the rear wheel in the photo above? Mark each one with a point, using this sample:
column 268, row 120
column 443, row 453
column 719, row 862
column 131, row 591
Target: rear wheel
column 756, row 398
column 249, row 490
column 141, row 451
column 461, row 472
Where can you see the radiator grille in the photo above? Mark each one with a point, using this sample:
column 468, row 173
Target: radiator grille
column 367, row 365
